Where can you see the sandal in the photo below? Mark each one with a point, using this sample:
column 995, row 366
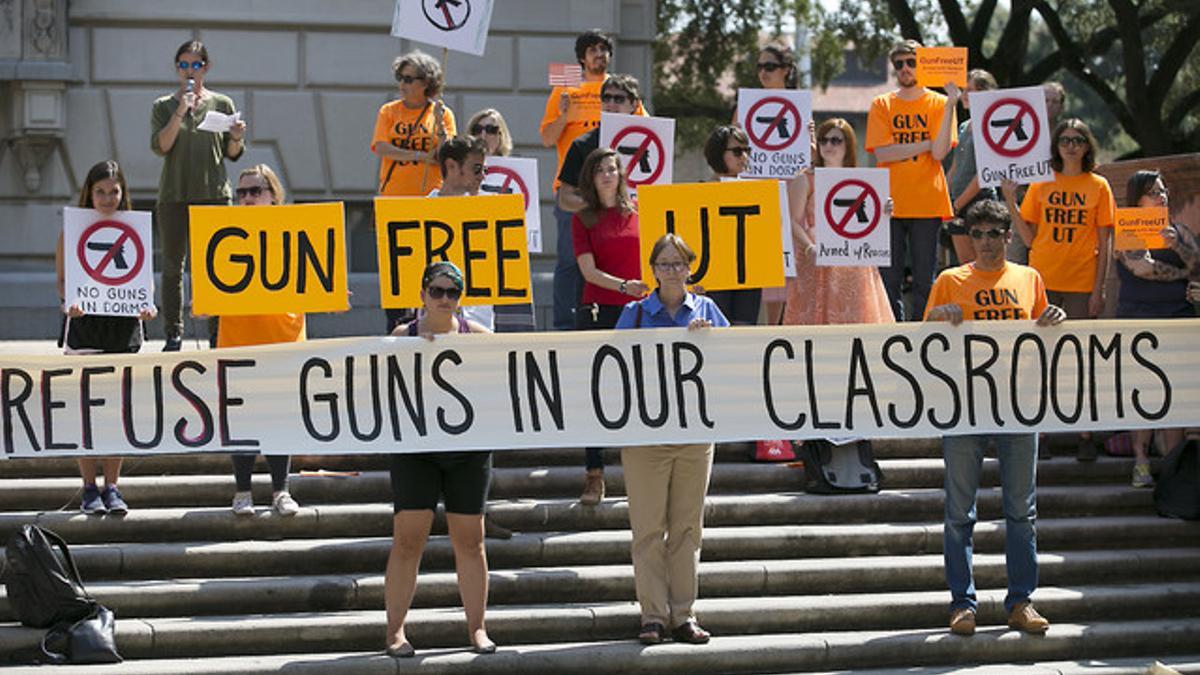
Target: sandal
column 690, row 632
column 652, row 633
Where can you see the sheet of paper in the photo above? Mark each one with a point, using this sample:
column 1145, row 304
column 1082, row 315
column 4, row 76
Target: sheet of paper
column 219, row 123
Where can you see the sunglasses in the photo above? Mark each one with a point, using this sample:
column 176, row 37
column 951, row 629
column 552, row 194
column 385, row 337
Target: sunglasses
column 672, row 267
column 194, row 65
column 251, row 191
column 619, row 99
column 409, row 79
column 1077, row 141
column 899, row 64
column 738, row 150
column 1157, row 193
column 492, row 129
column 439, row 292
column 831, row 140
column 769, row 66
column 992, row 233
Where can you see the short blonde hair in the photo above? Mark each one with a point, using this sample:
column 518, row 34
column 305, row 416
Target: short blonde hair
column 266, row 173
column 506, row 143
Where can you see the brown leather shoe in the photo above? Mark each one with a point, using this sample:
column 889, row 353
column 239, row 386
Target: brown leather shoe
column 1027, row 620
column 690, row 632
column 962, row 621
column 593, row 488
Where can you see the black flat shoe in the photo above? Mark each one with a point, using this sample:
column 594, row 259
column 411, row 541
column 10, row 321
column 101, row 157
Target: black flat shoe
column 488, row 647
column 404, row 650
column 173, row 344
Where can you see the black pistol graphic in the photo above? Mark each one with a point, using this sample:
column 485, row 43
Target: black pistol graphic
column 642, row 159
column 1018, row 130
column 783, row 124
column 860, row 212
column 118, row 258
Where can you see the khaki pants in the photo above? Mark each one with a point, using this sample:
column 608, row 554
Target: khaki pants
column 666, row 485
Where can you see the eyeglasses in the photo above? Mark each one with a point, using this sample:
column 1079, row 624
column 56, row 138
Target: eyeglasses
column 738, row 150
column 194, row 65
column 252, row 191
column 492, row 129
column 830, row 140
column 672, row 267
column 409, row 79
column 899, row 64
column 1157, row 192
column 438, row 292
column 769, row 66
column 993, row 233
column 1077, row 141
column 619, row 99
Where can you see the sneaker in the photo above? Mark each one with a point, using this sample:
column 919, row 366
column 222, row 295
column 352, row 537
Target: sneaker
column 494, row 530
column 593, row 489
column 1027, row 620
column 1086, row 451
column 962, row 621
column 284, row 504
column 91, row 502
column 113, row 501
column 243, row 503
column 1141, row 475
column 173, row 344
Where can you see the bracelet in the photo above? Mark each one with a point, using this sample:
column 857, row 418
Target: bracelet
column 621, row 288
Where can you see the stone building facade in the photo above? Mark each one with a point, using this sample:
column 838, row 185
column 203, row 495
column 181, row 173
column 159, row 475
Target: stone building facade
column 77, row 79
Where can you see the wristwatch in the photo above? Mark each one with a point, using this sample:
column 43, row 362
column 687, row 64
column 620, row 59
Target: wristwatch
column 622, row 286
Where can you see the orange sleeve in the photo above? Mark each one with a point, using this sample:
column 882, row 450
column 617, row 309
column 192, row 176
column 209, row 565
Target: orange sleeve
column 1106, row 208
column 448, row 122
column 551, row 113
column 1031, row 206
column 382, row 122
column 879, row 129
column 938, row 295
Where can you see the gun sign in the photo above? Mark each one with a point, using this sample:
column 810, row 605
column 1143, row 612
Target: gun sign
column 646, row 146
column 776, row 122
column 106, row 261
column 852, row 222
column 1011, row 136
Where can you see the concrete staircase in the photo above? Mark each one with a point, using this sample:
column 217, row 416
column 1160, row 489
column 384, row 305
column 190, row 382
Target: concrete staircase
column 789, row 582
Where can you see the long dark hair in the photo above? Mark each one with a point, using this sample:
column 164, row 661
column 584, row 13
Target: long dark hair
column 106, row 169
column 590, row 214
column 1139, row 185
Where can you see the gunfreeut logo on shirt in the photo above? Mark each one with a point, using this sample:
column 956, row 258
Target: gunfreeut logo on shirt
column 998, row 303
column 910, row 128
column 411, row 136
column 1065, row 212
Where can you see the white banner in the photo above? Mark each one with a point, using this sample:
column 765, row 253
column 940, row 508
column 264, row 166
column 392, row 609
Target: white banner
column 646, row 146
column 1011, row 136
column 461, row 25
column 517, row 175
column 107, row 261
column 853, row 225
column 608, row 388
column 776, row 121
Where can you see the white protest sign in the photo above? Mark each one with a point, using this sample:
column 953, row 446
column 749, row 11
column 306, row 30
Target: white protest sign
column 646, row 146
column 776, row 121
column 461, row 25
column 517, row 175
column 107, row 261
column 1011, row 135
column 853, row 225
column 785, row 213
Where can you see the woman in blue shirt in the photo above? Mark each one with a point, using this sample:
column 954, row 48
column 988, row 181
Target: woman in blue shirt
column 666, row 483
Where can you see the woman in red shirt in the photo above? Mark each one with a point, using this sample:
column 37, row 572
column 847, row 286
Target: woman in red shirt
column 607, row 248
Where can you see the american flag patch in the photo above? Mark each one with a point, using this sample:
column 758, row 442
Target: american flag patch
column 566, row 75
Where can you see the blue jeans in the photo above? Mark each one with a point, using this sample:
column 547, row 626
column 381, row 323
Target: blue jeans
column 568, row 282
column 917, row 237
column 1018, row 479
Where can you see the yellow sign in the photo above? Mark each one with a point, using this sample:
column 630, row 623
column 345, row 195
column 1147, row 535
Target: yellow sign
column 268, row 259
column 938, row 65
column 1138, row 228
column 484, row 236
column 734, row 228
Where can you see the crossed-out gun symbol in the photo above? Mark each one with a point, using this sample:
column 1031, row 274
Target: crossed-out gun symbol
column 783, row 125
column 643, row 159
column 1018, row 130
column 444, row 5
column 860, row 213
column 118, row 258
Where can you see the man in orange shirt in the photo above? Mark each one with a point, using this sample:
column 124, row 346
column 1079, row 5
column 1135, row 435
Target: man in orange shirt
column 991, row 288
column 571, row 112
column 910, row 131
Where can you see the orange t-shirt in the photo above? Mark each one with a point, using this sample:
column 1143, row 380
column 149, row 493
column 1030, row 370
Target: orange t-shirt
column 1014, row 292
column 918, row 184
column 260, row 329
column 1067, row 213
column 409, row 129
column 584, row 115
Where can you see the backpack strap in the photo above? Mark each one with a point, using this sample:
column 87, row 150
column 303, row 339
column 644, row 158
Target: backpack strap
column 61, row 544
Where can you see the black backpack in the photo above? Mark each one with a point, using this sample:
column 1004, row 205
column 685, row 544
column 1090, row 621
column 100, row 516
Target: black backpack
column 840, row 469
column 44, row 588
column 1177, row 493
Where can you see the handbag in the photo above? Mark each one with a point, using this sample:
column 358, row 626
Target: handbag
column 91, row 639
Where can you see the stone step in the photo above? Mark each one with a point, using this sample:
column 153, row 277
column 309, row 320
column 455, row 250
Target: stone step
column 596, row 621
column 595, row 583
column 738, row 654
column 513, row 482
column 349, row 554
column 332, row 520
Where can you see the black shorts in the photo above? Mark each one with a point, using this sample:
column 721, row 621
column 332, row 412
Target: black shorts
column 420, row 479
